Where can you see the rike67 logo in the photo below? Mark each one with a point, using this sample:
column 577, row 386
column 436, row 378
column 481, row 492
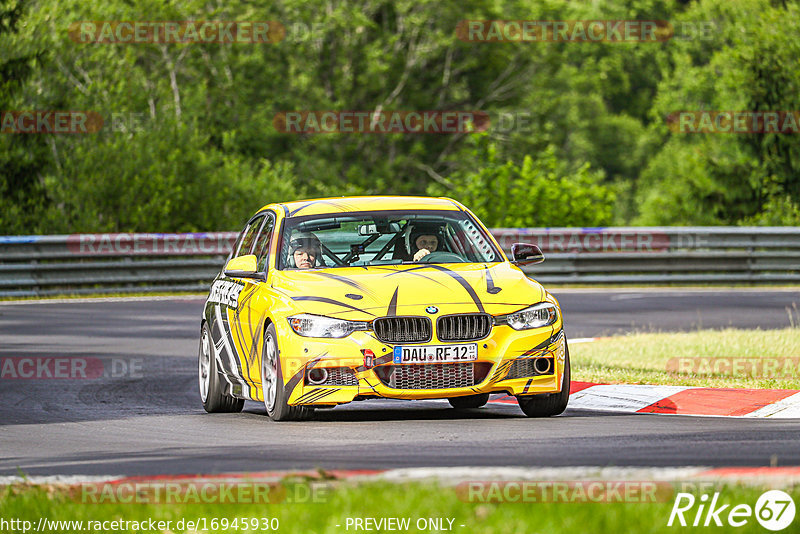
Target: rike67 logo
column 774, row 510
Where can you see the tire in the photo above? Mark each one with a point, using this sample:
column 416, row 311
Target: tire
column 469, row 402
column 272, row 383
column 211, row 391
column 552, row 404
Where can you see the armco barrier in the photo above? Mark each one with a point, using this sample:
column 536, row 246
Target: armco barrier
column 124, row 263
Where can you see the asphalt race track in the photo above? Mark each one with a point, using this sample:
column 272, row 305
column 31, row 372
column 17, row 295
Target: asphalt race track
column 143, row 415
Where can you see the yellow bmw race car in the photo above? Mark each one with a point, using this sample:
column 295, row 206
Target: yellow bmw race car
column 324, row 302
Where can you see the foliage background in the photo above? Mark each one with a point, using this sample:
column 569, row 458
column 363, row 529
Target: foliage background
column 204, row 154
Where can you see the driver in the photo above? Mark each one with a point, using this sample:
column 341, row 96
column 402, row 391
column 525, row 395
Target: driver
column 425, row 243
column 424, row 239
column 304, row 250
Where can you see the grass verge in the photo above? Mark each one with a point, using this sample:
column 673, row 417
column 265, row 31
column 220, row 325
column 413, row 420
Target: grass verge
column 727, row 358
column 417, row 502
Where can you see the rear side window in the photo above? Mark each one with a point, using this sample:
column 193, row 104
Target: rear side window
column 261, row 247
column 249, row 236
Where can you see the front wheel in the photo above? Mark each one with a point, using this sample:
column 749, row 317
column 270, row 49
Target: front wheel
column 211, row 390
column 272, row 383
column 469, row 401
column 549, row 405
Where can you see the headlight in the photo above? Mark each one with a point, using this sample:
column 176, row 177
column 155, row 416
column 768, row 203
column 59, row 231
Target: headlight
column 536, row 316
column 308, row 325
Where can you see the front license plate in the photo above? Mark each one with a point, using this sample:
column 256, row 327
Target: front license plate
column 436, row 353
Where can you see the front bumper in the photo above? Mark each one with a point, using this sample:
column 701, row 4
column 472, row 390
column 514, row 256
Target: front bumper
column 496, row 356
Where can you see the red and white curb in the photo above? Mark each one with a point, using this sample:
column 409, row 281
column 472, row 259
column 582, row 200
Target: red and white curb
column 682, row 400
column 760, row 476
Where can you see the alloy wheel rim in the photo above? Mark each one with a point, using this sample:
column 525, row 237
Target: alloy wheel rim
column 269, row 375
column 204, row 367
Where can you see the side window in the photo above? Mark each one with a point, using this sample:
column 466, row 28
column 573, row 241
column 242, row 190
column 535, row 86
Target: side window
column 249, row 237
column 236, row 244
column 261, row 248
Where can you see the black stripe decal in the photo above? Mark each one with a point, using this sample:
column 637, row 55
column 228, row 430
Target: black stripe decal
column 318, row 394
column 410, row 271
column 525, row 389
column 298, row 376
column 250, row 357
column 500, row 371
column 460, row 279
column 292, row 383
column 532, row 353
column 343, row 207
column 342, row 279
column 226, row 329
column 323, row 394
column 392, row 310
column 544, row 344
column 335, row 302
column 490, row 287
column 304, row 206
column 308, row 394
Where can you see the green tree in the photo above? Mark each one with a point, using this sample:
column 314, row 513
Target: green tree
column 539, row 191
column 750, row 62
column 23, row 197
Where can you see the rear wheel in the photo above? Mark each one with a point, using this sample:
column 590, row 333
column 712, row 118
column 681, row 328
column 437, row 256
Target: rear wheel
column 211, row 391
column 552, row 404
column 469, row 401
column 272, row 383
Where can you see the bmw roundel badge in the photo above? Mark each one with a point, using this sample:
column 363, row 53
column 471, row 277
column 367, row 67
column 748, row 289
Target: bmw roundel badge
column 431, row 309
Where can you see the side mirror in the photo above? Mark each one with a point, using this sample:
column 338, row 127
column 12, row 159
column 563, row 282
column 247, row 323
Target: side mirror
column 243, row 267
column 525, row 254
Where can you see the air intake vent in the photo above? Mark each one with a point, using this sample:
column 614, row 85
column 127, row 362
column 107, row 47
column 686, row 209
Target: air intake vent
column 467, row 327
column 527, row 367
column 402, row 329
column 433, row 376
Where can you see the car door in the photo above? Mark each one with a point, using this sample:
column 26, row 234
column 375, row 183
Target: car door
column 251, row 311
column 226, row 300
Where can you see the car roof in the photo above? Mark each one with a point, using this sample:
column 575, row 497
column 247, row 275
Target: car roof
column 320, row 206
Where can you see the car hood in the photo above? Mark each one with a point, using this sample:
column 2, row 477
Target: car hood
column 363, row 293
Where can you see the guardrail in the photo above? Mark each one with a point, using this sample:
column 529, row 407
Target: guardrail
column 128, row 263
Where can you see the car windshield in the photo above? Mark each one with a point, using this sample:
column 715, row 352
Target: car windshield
column 384, row 238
